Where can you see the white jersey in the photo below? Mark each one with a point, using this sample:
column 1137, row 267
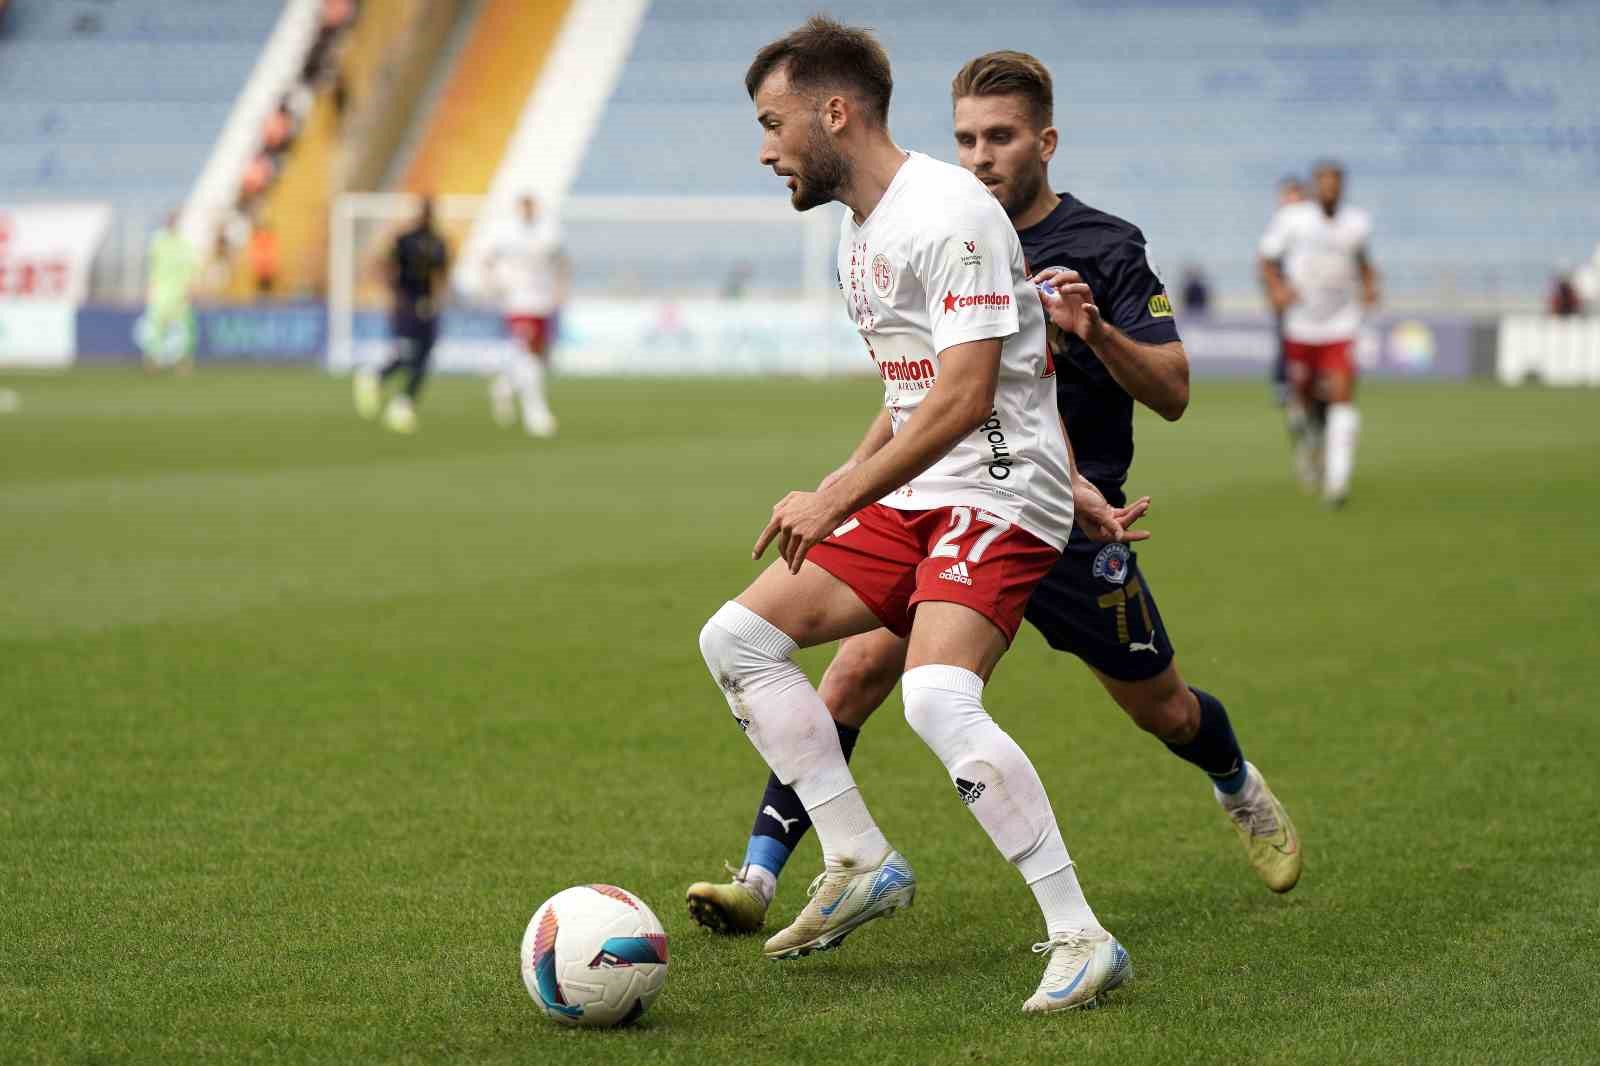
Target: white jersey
column 1319, row 256
column 526, row 261
column 937, row 264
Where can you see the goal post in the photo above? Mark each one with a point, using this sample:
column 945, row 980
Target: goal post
column 660, row 285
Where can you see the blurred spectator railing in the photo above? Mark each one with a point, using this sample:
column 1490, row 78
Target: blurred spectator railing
column 212, row 200
column 347, row 67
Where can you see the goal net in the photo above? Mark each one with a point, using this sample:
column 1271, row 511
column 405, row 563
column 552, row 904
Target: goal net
column 660, row 286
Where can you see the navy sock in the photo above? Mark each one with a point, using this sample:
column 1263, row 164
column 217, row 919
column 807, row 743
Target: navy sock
column 1213, row 747
column 782, row 821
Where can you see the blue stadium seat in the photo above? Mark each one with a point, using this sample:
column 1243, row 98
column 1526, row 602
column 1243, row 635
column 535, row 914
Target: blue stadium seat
column 120, row 100
column 1468, row 129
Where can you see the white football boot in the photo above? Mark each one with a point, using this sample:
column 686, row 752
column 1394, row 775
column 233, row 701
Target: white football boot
column 541, row 424
column 842, row 900
column 1083, row 967
column 400, row 416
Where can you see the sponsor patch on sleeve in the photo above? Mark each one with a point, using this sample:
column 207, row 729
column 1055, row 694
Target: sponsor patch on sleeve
column 968, row 251
column 1160, row 306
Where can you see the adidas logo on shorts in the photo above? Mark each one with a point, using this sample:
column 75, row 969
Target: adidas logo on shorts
column 957, row 573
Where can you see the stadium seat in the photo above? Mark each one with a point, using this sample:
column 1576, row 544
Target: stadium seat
column 98, row 108
column 1180, row 121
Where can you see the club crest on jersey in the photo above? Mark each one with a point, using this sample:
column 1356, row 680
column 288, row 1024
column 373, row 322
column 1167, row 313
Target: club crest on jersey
column 882, row 275
column 1111, row 564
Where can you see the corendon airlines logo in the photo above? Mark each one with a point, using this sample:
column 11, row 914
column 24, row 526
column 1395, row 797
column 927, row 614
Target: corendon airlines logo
column 952, row 302
column 903, row 369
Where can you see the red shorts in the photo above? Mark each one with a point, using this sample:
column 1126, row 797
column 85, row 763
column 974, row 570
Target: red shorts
column 1317, row 360
column 531, row 330
column 896, row 559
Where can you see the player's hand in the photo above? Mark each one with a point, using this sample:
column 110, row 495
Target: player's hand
column 1284, row 297
column 1069, row 303
column 800, row 521
column 1103, row 523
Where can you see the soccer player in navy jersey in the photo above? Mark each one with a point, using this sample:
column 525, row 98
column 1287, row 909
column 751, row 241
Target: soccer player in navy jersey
column 1114, row 341
column 418, row 270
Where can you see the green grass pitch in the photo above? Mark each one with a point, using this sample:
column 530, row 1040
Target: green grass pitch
column 299, row 722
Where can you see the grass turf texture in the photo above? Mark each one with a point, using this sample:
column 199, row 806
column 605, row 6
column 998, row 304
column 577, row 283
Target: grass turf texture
column 300, row 721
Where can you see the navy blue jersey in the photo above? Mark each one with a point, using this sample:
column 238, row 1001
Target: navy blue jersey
column 419, row 260
column 1108, row 253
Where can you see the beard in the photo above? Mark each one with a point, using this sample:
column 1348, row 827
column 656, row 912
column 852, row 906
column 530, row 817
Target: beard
column 821, row 173
column 1018, row 194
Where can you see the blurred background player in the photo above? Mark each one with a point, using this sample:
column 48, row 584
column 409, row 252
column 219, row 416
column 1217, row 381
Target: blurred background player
column 165, row 332
column 1317, row 273
column 529, row 272
column 418, row 267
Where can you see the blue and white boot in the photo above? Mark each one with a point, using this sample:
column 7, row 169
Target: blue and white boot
column 842, row 900
column 1083, row 967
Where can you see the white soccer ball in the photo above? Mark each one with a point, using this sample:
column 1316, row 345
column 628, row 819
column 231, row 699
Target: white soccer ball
column 594, row 955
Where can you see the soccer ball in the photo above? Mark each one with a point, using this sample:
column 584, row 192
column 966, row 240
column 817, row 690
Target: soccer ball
column 594, row 955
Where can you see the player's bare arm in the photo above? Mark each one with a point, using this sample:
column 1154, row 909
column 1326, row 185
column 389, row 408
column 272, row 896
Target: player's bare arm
column 1280, row 293
column 1157, row 375
column 958, row 404
column 1369, row 280
column 878, row 434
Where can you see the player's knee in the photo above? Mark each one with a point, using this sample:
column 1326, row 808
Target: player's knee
column 942, row 704
column 737, row 643
column 922, row 712
column 720, row 648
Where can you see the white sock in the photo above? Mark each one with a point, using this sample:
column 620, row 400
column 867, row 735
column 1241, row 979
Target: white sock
column 1344, row 425
column 1297, row 419
column 1232, row 801
column 786, row 720
column 1061, row 899
column 845, row 828
column 995, row 779
column 500, row 388
column 760, row 880
column 528, row 378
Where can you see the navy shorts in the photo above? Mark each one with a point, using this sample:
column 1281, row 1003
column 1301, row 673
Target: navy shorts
column 421, row 330
column 1096, row 604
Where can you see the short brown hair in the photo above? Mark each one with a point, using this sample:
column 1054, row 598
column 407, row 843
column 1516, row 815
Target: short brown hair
column 824, row 54
column 1008, row 74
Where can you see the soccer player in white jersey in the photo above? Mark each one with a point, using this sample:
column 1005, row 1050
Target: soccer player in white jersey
column 527, row 267
column 1318, row 275
column 957, row 501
